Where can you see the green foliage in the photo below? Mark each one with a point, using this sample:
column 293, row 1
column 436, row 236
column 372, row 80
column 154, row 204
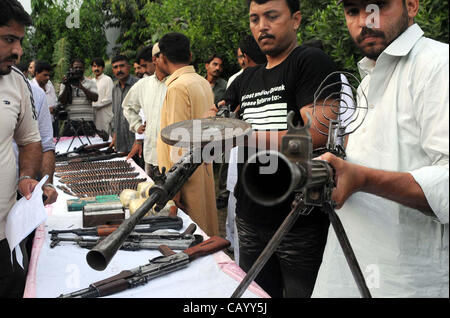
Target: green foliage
column 128, row 15
column 60, row 60
column 213, row 26
column 433, row 19
column 50, row 25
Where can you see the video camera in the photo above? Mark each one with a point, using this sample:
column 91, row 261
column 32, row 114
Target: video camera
column 60, row 112
column 74, row 76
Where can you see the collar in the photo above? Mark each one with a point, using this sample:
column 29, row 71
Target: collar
column 181, row 71
column 127, row 83
column 399, row 47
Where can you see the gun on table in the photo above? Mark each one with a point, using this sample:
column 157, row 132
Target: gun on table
column 147, row 225
column 156, row 267
column 138, row 241
column 92, row 157
column 83, row 149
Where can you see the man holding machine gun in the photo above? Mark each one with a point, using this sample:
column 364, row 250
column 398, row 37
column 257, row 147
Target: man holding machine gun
column 393, row 189
column 266, row 94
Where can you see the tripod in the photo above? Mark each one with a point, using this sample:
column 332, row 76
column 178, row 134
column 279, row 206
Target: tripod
column 75, row 131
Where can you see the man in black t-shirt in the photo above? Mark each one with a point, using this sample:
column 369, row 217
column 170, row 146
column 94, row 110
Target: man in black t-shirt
column 264, row 95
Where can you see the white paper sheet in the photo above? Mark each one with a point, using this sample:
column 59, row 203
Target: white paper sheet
column 24, row 217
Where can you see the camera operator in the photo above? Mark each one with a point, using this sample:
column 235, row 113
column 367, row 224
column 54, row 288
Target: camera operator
column 78, row 93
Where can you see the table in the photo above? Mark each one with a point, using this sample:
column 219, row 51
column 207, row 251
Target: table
column 63, row 269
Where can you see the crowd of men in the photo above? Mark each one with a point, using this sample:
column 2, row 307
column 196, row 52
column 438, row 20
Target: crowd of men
column 391, row 191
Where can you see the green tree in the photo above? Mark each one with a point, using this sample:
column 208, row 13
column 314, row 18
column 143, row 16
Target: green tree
column 52, row 22
column 213, row 26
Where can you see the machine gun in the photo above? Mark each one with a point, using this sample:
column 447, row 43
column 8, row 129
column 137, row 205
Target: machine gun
column 311, row 180
column 139, row 240
column 156, row 267
column 167, row 184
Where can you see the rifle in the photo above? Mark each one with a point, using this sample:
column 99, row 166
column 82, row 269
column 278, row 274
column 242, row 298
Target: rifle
column 93, row 157
column 83, row 149
column 137, row 241
column 156, row 267
column 147, row 225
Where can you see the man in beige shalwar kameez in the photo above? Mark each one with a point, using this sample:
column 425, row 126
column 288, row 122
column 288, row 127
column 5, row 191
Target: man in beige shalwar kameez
column 188, row 97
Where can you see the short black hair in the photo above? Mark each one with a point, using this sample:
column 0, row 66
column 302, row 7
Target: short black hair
column 294, row 5
column 249, row 47
column 12, row 10
column 120, row 57
column 79, row 61
column 176, row 47
column 22, row 66
column 98, row 61
column 215, row 56
column 145, row 54
column 41, row 66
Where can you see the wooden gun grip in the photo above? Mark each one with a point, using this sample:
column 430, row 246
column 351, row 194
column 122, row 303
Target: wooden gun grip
column 210, row 246
column 190, row 229
column 165, row 250
column 105, row 230
column 173, row 211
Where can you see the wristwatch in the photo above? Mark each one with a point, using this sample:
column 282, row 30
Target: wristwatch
column 23, row 178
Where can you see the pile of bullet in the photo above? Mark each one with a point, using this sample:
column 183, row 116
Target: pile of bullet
column 90, row 179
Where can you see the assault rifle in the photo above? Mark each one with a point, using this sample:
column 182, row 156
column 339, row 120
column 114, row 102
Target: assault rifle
column 156, row 267
column 147, row 225
column 138, row 241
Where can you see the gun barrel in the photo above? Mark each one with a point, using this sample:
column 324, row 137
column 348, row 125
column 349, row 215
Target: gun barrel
column 264, row 170
column 262, row 174
column 100, row 256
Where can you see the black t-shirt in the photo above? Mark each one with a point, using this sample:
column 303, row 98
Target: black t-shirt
column 266, row 96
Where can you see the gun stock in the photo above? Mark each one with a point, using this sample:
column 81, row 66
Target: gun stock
column 210, row 246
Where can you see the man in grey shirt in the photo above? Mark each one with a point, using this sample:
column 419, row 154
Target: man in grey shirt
column 78, row 93
column 123, row 138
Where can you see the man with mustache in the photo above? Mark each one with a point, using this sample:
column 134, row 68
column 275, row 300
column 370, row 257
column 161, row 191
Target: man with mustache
column 392, row 190
column 18, row 122
column 103, row 106
column 138, row 70
column 42, row 70
column 123, row 139
column 266, row 94
column 214, row 68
